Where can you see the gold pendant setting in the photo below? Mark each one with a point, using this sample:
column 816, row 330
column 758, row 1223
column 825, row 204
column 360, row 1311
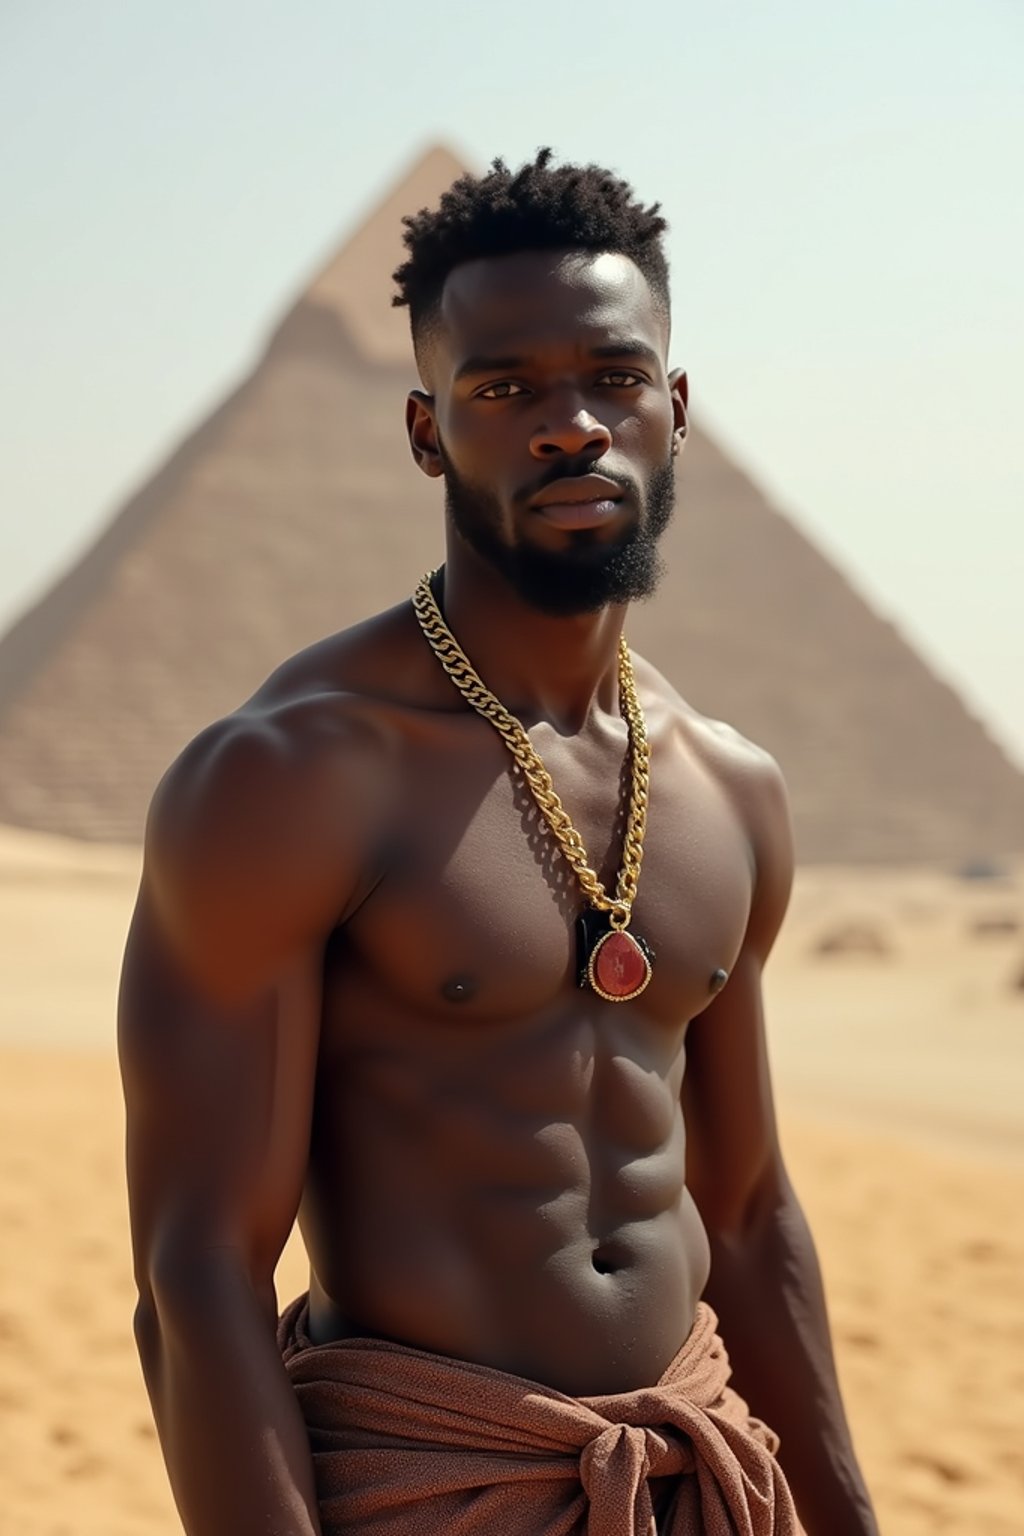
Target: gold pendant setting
column 619, row 967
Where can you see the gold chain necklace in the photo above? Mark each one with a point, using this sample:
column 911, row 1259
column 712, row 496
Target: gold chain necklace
column 616, row 964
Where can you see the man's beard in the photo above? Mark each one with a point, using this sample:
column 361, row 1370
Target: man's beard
column 589, row 575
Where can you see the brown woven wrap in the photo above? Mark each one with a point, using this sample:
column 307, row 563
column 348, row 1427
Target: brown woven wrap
column 407, row 1443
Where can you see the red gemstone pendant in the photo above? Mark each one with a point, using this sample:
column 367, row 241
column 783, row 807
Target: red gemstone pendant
column 618, row 968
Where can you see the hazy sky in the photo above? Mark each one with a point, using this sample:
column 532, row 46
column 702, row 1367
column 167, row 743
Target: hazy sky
column 847, row 247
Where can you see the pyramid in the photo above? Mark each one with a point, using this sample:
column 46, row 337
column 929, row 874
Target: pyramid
column 295, row 510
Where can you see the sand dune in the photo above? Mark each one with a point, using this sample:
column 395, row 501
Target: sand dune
column 900, row 1078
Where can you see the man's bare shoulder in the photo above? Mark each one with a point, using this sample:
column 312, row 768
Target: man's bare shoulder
column 319, row 712
column 747, row 774
column 264, row 824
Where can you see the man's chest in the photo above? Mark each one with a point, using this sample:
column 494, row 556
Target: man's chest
column 476, row 905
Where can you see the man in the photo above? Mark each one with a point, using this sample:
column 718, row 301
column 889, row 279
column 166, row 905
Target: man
column 450, row 941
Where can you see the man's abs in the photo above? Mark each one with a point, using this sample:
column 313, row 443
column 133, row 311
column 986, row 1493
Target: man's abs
column 520, row 1204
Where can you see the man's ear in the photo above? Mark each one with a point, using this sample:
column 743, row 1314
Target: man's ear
column 422, row 430
column 680, row 391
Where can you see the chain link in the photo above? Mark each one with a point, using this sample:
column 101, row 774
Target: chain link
column 475, row 691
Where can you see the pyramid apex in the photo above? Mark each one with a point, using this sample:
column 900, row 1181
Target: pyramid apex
column 356, row 282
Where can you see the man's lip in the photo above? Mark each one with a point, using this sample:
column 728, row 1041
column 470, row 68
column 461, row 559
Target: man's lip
column 589, row 489
column 578, row 514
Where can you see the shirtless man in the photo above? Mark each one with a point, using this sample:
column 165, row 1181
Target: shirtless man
column 354, row 989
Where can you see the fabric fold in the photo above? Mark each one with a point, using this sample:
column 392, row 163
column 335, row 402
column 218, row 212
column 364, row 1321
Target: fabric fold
column 409, row 1443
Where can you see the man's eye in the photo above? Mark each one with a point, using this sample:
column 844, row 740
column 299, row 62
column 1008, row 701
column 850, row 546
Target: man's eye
column 505, row 390
column 622, row 378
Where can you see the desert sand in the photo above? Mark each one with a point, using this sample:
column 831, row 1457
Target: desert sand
column 898, row 1057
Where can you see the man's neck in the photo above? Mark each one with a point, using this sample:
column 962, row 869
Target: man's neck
column 540, row 667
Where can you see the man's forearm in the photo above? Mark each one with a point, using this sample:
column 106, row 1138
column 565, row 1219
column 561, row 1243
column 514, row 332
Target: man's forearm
column 766, row 1288
column 229, row 1423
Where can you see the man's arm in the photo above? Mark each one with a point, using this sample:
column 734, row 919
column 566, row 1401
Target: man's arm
column 218, row 1032
column 765, row 1280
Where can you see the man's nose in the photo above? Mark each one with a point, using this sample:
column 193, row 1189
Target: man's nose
column 578, row 432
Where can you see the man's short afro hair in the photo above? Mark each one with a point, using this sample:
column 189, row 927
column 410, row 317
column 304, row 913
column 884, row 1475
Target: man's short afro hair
column 540, row 207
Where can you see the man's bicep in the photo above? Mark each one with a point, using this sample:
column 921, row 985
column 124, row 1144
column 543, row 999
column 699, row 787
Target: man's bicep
column 240, row 871
column 218, row 1100
column 247, row 871
column 733, row 1155
column 732, row 1148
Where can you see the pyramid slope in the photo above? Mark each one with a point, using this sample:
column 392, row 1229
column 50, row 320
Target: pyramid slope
column 295, row 510
column 344, row 313
column 883, row 762
column 356, row 283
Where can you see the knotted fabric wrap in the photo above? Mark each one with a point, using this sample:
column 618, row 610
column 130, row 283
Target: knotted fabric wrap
column 407, row 1443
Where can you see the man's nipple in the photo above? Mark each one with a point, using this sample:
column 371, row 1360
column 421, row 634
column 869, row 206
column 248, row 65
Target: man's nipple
column 459, row 989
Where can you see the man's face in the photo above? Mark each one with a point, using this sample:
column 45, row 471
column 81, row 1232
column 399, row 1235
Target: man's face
column 548, row 367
